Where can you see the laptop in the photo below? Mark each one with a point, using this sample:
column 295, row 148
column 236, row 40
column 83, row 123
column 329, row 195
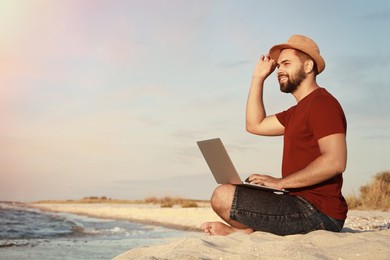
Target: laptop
column 222, row 167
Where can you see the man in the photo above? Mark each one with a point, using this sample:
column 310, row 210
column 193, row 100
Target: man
column 314, row 154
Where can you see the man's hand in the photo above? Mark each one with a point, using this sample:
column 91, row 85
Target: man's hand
column 266, row 180
column 264, row 67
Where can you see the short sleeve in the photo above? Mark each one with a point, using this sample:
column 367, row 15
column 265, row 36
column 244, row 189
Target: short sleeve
column 284, row 116
column 326, row 117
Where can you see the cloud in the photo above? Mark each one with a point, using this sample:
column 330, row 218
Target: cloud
column 361, row 83
column 232, row 64
column 379, row 16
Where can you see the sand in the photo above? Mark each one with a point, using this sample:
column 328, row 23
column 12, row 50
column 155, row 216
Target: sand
column 366, row 235
column 176, row 217
column 259, row 245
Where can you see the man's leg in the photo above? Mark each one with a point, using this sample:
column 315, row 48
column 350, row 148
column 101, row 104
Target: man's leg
column 221, row 202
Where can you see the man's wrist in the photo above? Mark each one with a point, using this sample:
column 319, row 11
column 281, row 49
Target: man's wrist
column 259, row 78
column 282, row 183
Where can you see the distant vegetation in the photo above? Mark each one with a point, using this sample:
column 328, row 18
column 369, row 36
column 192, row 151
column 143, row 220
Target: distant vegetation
column 168, row 202
column 91, row 199
column 375, row 195
column 165, row 202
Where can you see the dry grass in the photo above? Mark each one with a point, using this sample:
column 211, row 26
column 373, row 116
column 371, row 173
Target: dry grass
column 165, row 202
column 168, row 202
column 375, row 195
column 92, row 199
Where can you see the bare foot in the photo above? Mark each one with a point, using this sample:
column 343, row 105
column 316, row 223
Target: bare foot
column 221, row 229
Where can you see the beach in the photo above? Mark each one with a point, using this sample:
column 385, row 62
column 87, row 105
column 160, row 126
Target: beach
column 366, row 235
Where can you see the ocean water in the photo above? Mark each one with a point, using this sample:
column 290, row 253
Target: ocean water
column 28, row 233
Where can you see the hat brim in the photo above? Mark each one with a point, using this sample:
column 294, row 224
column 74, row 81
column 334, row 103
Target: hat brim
column 275, row 51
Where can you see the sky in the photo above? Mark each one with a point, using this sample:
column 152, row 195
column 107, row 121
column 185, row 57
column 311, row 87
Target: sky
column 108, row 98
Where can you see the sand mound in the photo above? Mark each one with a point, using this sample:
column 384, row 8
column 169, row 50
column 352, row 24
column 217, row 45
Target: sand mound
column 259, row 245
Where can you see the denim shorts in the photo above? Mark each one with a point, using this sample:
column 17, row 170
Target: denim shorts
column 280, row 214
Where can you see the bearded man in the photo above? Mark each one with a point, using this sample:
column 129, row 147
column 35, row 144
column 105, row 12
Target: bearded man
column 314, row 152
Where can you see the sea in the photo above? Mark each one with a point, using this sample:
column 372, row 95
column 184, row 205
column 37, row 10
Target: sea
column 29, row 233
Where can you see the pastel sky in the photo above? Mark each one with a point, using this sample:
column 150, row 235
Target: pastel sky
column 109, row 97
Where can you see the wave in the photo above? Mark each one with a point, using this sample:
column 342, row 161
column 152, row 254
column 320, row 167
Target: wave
column 19, row 222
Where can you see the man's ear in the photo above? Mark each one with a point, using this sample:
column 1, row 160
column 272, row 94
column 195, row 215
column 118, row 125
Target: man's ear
column 309, row 66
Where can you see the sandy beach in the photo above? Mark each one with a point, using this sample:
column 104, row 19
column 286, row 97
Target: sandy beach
column 366, row 235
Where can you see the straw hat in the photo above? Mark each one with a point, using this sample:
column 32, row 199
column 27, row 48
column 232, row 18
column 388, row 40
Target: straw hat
column 301, row 43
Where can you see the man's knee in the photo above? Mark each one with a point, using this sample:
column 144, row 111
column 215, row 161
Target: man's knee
column 222, row 197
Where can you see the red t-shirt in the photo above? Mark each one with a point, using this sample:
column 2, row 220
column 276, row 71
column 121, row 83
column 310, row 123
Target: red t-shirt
column 318, row 115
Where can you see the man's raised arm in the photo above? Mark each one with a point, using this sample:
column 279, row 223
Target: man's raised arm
column 257, row 122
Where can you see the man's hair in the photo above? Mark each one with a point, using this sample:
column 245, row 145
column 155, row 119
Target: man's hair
column 304, row 57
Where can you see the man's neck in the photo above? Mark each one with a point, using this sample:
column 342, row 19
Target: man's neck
column 305, row 89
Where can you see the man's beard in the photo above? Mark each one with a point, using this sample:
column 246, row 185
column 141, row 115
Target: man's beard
column 293, row 82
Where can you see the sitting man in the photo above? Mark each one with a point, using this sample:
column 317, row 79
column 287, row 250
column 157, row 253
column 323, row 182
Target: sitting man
column 314, row 153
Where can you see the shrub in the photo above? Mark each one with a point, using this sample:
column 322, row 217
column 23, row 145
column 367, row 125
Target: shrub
column 169, row 202
column 189, row 204
column 374, row 195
